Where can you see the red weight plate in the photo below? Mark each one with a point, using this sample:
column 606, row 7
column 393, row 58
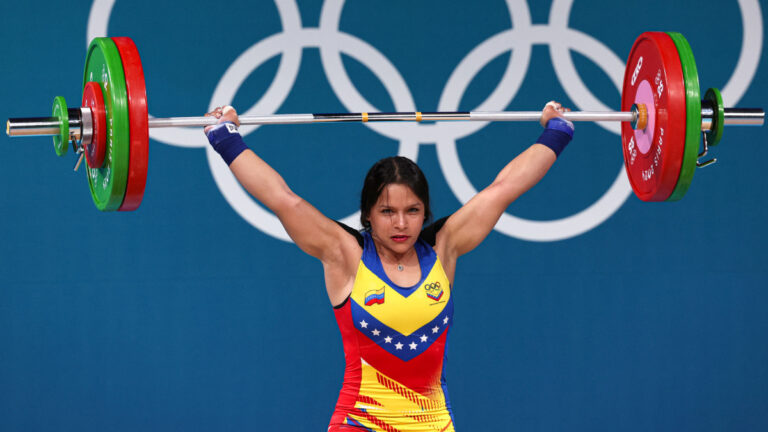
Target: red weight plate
column 653, row 156
column 93, row 98
column 139, row 123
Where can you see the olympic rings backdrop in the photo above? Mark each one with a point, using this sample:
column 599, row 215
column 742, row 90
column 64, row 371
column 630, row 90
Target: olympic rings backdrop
column 584, row 310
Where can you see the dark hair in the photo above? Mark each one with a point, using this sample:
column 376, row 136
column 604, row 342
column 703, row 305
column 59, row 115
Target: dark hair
column 392, row 170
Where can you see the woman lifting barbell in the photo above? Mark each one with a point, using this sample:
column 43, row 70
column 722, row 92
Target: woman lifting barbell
column 390, row 285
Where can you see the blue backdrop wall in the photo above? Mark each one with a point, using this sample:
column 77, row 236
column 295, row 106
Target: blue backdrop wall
column 585, row 310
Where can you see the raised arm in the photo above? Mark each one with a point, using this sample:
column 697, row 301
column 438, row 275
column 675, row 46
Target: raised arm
column 312, row 231
column 469, row 226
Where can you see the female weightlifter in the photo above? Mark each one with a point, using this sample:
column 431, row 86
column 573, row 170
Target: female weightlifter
column 390, row 285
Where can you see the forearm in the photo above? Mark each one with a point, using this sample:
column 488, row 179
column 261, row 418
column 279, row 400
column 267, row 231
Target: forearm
column 466, row 228
column 256, row 176
column 262, row 181
column 523, row 172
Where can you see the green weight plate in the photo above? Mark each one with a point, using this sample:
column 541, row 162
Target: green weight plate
column 692, row 116
column 718, row 119
column 61, row 141
column 103, row 65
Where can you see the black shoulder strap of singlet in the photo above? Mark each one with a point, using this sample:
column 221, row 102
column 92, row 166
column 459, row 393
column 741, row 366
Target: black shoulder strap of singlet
column 429, row 234
column 355, row 233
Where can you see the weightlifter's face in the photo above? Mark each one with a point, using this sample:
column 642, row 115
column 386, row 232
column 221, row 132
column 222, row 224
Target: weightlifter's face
column 396, row 218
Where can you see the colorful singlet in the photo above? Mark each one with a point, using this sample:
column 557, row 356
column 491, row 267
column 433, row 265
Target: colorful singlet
column 394, row 345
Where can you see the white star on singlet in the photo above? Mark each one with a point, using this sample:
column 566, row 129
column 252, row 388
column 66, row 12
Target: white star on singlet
column 412, row 345
column 376, row 332
column 364, row 324
column 435, row 329
column 398, row 346
column 387, row 339
column 423, row 338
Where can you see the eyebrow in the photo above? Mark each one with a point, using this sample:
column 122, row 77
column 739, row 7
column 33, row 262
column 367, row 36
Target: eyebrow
column 387, row 205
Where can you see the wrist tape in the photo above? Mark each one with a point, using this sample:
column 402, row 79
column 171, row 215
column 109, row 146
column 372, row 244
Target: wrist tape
column 557, row 134
column 226, row 140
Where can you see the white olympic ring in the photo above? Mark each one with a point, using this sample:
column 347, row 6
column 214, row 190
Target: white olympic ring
column 519, row 40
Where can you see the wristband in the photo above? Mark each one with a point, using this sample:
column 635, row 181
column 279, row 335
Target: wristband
column 557, row 134
column 226, row 140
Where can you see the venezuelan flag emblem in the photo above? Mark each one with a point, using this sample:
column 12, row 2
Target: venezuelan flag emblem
column 374, row 297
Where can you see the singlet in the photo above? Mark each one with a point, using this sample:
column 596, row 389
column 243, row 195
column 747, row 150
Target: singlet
column 394, row 345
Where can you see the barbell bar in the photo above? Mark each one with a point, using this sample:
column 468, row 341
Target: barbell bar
column 50, row 126
column 663, row 118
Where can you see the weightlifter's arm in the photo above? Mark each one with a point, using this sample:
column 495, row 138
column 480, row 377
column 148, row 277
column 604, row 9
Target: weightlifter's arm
column 468, row 226
column 313, row 232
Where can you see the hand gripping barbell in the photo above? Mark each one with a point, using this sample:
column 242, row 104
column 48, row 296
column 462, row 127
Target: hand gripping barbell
column 663, row 117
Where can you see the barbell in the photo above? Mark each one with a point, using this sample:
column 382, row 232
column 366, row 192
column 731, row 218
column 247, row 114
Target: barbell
column 663, row 117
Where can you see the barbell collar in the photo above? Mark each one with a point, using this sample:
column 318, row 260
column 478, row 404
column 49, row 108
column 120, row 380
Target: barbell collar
column 75, row 121
column 85, row 132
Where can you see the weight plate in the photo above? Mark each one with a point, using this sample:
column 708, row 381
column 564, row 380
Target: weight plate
column 138, row 117
column 718, row 118
column 61, row 141
column 654, row 77
column 93, row 98
column 693, row 115
column 107, row 183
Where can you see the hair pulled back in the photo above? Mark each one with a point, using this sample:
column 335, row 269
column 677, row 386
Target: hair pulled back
column 392, row 170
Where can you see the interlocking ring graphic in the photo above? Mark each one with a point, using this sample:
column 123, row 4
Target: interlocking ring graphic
column 519, row 40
